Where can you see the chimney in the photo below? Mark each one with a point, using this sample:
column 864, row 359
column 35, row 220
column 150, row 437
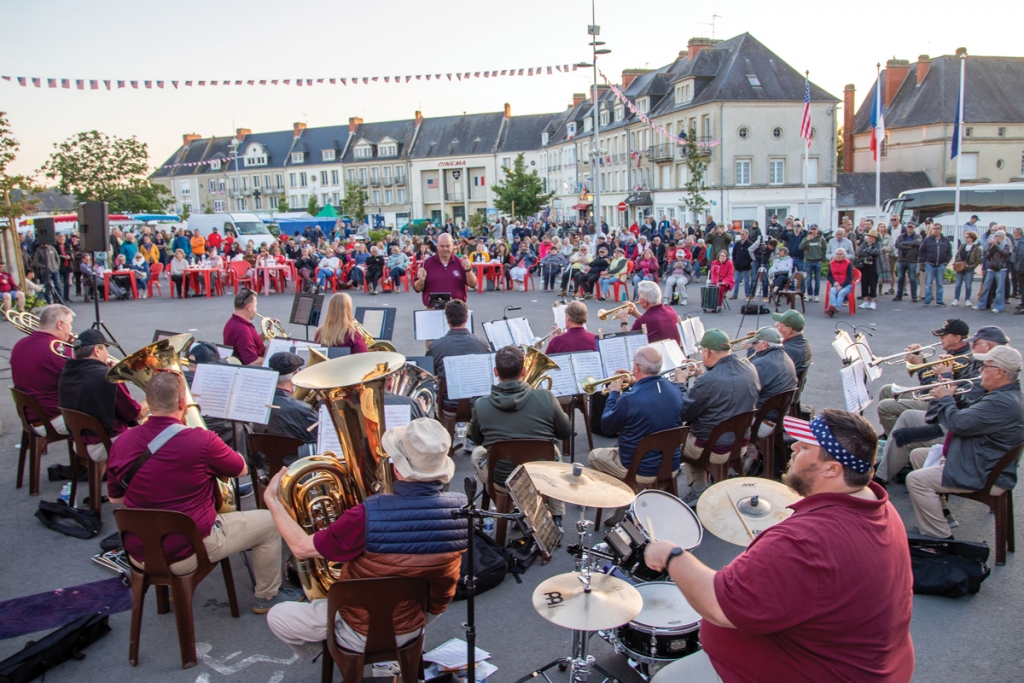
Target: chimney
column 923, row 64
column 419, row 118
column 695, row 45
column 577, row 98
column 961, row 51
column 508, row 110
column 241, row 133
column 629, row 74
column 896, row 71
column 297, row 129
column 849, row 114
column 188, row 138
column 353, row 123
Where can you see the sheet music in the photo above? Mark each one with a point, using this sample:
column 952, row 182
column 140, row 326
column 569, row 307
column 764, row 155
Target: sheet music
column 587, row 364
column 430, row 325
column 864, row 352
column 497, row 332
column 521, row 331
column 863, row 397
column 397, row 416
column 469, row 376
column 276, row 345
column 671, row 355
column 559, row 312
column 211, row 388
column 253, row 395
column 850, row 389
column 841, row 344
column 698, row 329
column 688, row 337
column 613, row 356
column 373, row 321
column 633, row 342
column 225, row 352
column 327, row 437
column 564, row 379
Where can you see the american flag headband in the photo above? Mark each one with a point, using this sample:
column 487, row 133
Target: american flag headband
column 817, row 432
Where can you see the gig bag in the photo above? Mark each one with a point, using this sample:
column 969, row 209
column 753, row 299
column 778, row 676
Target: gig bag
column 67, row 642
column 490, row 565
column 949, row 568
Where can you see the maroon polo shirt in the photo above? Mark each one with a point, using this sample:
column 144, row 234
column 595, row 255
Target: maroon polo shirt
column 345, row 538
column 442, row 278
column 244, row 339
column 35, row 369
column 573, row 339
column 179, row 477
column 825, row 595
column 662, row 323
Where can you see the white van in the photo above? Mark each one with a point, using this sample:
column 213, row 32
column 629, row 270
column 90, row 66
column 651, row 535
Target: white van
column 244, row 226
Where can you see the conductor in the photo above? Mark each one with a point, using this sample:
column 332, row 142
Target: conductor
column 442, row 272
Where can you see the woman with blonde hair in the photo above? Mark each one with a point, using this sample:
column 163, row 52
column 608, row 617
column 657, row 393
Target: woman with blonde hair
column 339, row 326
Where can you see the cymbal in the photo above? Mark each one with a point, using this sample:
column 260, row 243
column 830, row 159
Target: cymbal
column 611, row 602
column 590, row 489
column 738, row 509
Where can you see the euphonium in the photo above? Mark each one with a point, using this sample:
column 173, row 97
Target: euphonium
column 371, row 343
column 165, row 356
column 535, row 364
column 316, row 490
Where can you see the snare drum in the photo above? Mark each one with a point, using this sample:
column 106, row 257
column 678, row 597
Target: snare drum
column 666, row 629
column 652, row 515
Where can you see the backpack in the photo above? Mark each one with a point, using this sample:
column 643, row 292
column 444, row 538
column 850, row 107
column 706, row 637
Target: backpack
column 949, row 568
column 67, row 642
column 68, row 520
column 490, row 565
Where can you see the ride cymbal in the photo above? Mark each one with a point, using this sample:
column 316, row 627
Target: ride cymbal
column 738, row 509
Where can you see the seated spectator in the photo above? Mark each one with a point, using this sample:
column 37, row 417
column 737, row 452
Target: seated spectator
column 179, row 276
column 678, row 273
column 840, row 278
column 524, row 261
column 781, row 270
column 646, row 268
column 374, row 268
column 398, row 264
column 141, row 269
column 722, row 275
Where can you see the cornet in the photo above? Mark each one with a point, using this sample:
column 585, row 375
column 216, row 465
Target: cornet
column 604, row 315
column 591, row 385
column 923, row 393
column 959, row 363
column 897, row 358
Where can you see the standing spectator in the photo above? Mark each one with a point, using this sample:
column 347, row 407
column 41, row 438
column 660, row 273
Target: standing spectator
column 997, row 253
column 198, row 245
column 65, row 260
column 840, row 277
column 741, row 262
column 793, row 239
column 718, row 239
column 907, row 246
column 813, row 248
column 182, row 242
column 46, row 263
column 968, row 258
column 867, row 260
column 1016, row 275
column 888, row 260
column 840, row 241
column 934, row 254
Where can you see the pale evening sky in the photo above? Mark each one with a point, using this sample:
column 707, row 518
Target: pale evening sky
column 839, row 43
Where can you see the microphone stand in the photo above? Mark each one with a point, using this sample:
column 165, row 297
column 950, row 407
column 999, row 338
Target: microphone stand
column 504, row 313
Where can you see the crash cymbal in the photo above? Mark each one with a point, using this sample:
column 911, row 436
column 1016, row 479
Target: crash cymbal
column 610, row 602
column 737, row 510
column 590, row 488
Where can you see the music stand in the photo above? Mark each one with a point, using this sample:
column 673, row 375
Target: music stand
column 387, row 326
column 437, row 300
column 306, row 310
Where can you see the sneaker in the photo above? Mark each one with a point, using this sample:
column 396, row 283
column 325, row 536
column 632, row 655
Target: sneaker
column 245, row 490
column 939, row 303
column 996, row 311
column 968, row 304
column 955, row 303
column 865, row 304
column 872, row 305
column 950, row 519
column 897, row 298
column 927, row 303
column 284, row 594
column 683, row 303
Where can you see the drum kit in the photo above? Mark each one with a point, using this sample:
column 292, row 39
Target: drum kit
column 612, row 592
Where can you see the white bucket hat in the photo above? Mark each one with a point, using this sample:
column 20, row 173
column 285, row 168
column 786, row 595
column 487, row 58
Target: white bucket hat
column 419, row 451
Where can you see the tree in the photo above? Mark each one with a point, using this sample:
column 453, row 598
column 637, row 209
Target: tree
column 313, row 208
column 95, row 167
column 476, row 220
column 696, row 162
column 16, row 193
column 207, row 208
column 354, row 203
column 521, row 191
column 282, row 204
column 839, row 149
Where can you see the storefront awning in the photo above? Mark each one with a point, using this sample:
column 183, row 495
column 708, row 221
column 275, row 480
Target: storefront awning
column 639, row 198
column 581, row 206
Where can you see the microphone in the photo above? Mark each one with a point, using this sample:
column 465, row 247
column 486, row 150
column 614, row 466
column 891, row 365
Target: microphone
column 470, row 484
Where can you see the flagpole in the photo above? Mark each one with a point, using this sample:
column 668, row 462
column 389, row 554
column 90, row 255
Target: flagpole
column 878, row 145
column 959, row 144
column 807, row 150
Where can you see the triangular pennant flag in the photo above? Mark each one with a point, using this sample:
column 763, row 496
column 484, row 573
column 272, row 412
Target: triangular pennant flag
column 22, row 81
column 407, row 79
column 6, row 78
column 160, row 84
column 428, row 78
column 200, row 83
column 309, row 81
column 521, row 72
column 250, row 82
column 503, row 71
column 387, row 79
column 175, row 84
column 51, row 82
column 238, row 82
column 298, row 82
column 38, row 83
column 487, row 74
column 458, row 76
column 188, row 84
column 437, row 77
column 320, row 80
column 476, row 75
column 450, row 78
column 213, row 83
column 342, row 80
column 574, row 66
column 148, row 84
column 331, row 81
column 365, row 79
column 287, row 81
column 120, row 84
column 549, row 73
column 397, row 78
column 374, row 79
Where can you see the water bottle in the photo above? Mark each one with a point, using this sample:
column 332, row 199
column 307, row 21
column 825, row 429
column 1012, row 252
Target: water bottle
column 460, row 430
column 489, row 525
column 65, row 493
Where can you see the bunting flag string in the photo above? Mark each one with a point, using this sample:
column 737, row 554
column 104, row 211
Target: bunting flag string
column 148, row 84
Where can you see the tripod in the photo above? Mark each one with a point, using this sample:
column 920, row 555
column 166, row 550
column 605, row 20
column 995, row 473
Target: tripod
column 98, row 324
column 762, row 271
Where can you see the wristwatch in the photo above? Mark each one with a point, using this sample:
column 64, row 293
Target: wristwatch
column 675, row 552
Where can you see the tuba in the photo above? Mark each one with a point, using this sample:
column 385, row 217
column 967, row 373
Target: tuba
column 163, row 356
column 316, row 490
column 535, row 364
column 306, row 395
column 414, row 382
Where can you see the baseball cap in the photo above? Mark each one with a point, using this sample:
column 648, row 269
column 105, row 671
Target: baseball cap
column 769, row 335
column 285, row 363
column 715, row 340
column 204, row 352
column 1004, row 357
column 91, row 338
column 990, row 333
column 791, row 319
column 953, row 326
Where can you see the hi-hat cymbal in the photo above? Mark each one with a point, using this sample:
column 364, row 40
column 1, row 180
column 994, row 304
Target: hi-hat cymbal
column 611, row 602
column 737, row 510
column 590, row 489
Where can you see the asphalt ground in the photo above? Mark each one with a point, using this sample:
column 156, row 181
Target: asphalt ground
column 971, row 638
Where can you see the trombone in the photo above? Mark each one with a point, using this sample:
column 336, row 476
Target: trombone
column 24, row 322
column 591, row 385
column 897, row 358
column 959, row 363
column 923, row 393
column 272, row 328
column 605, row 314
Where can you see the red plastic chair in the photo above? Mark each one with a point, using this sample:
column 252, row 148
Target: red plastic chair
column 239, row 270
column 154, row 279
column 851, row 297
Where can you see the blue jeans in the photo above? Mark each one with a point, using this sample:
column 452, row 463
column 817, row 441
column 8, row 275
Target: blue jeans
column 933, row 275
column 746, row 278
column 637, row 279
column 813, row 279
column 838, row 296
column 396, row 277
column 606, row 285
column 322, row 276
column 964, row 278
column 1000, row 281
column 909, row 271
column 798, row 267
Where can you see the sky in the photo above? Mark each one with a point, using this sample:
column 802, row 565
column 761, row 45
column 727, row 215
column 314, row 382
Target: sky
column 263, row 39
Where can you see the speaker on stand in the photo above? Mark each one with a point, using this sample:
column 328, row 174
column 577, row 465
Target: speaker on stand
column 94, row 232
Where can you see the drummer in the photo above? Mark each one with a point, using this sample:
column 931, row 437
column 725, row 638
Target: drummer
column 793, row 606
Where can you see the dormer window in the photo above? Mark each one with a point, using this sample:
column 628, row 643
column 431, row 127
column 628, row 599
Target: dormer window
column 643, row 104
column 363, row 151
column 543, row 141
column 387, row 150
column 588, row 124
column 684, row 92
column 604, row 117
column 619, row 112
column 255, row 155
column 327, row 155
column 298, row 157
column 215, row 165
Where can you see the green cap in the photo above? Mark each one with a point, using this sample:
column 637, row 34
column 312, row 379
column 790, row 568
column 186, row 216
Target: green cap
column 715, row 340
column 790, row 319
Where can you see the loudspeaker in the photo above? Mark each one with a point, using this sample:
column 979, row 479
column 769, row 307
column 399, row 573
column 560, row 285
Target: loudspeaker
column 94, row 226
column 44, row 231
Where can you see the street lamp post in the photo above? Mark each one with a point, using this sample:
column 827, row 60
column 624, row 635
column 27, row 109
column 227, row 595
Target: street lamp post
column 593, row 30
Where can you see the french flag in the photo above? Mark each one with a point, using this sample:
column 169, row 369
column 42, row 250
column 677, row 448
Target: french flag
column 877, row 120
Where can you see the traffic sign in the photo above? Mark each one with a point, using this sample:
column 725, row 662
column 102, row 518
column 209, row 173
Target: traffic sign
column 622, row 206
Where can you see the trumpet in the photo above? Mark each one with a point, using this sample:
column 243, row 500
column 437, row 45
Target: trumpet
column 272, row 328
column 897, row 358
column 741, row 341
column 591, row 385
column 605, row 314
column 959, row 363
column 922, row 393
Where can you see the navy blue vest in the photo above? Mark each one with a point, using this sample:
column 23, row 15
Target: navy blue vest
column 415, row 520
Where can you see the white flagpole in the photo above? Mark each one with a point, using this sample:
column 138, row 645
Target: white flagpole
column 959, row 146
column 807, row 150
column 878, row 148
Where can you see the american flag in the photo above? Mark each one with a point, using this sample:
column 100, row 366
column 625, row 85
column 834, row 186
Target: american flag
column 805, row 120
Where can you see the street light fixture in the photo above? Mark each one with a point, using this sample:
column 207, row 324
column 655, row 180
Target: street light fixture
column 594, row 30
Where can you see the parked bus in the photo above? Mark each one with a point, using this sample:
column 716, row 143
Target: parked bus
column 1003, row 204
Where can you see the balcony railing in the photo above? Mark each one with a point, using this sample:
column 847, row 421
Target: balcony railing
column 375, row 181
column 399, row 180
column 453, row 197
column 663, row 152
column 387, row 181
column 363, row 182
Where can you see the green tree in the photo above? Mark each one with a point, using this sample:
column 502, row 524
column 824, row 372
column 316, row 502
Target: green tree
column 313, row 208
column 697, row 164
column 16, row 194
column 93, row 166
column 207, row 208
column 839, row 149
column 353, row 204
column 185, row 214
column 476, row 221
column 520, row 190
column 282, row 204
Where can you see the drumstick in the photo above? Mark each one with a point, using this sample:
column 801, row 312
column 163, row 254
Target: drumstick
column 650, row 527
column 740, row 515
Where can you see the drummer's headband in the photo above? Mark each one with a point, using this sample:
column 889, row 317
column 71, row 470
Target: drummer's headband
column 817, row 433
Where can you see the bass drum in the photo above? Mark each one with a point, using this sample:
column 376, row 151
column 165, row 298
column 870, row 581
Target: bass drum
column 667, row 629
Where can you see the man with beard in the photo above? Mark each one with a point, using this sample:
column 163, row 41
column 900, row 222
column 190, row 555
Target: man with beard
column 792, row 607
